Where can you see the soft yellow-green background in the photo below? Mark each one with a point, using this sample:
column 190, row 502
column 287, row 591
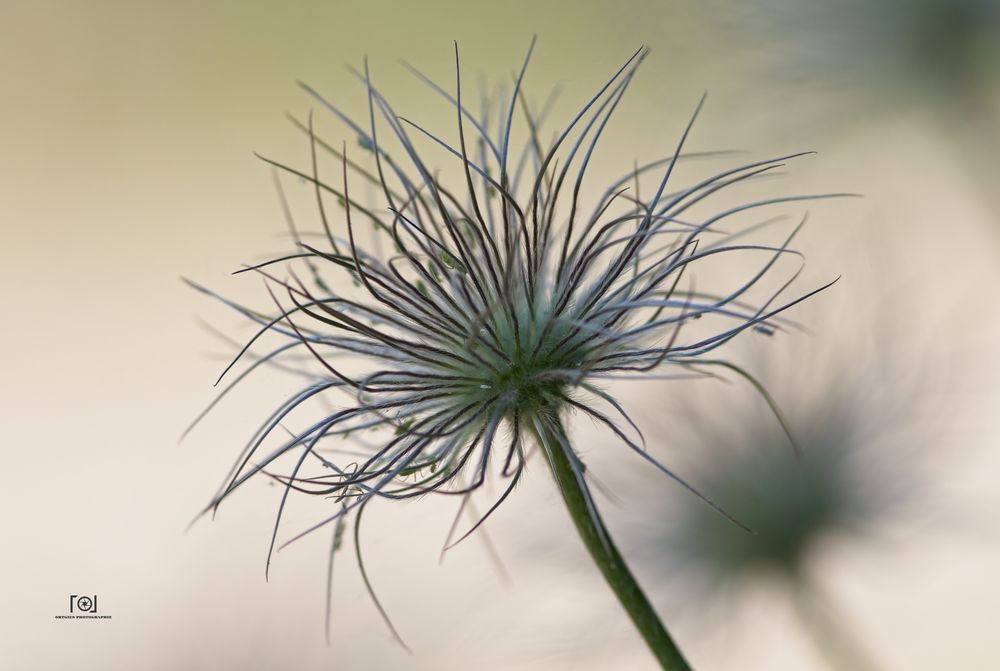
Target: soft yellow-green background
column 126, row 132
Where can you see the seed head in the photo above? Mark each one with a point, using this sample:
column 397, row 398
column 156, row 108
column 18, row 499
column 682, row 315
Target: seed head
column 491, row 300
column 861, row 470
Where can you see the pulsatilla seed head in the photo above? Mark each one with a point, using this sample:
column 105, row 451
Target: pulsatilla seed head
column 486, row 301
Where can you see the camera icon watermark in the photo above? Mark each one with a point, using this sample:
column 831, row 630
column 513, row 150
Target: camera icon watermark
column 82, row 604
column 83, row 607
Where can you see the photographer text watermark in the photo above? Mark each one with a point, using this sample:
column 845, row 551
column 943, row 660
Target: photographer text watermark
column 83, row 607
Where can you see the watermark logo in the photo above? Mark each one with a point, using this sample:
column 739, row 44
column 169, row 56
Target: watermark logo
column 83, row 604
column 83, row 607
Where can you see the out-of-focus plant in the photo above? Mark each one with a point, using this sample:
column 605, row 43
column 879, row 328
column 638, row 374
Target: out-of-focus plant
column 858, row 471
column 856, row 59
column 488, row 307
column 912, row 48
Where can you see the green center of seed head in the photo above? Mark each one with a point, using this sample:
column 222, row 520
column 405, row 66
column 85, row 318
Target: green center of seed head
column 529, row 384
column 528, row 375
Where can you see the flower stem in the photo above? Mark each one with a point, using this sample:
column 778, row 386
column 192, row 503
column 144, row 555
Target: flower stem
column 568, row 474
column 827, row 629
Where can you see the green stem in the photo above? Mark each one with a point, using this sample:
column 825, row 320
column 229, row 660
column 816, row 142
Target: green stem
column 568, row 474
column 828, row 631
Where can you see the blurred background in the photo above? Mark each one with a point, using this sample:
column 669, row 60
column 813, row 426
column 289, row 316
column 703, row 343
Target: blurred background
column 126, row 139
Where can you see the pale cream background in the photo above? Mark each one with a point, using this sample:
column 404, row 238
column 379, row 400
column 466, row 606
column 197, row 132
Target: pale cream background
column 126, row 131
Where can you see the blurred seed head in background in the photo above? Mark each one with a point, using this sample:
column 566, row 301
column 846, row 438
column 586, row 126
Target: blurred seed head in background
column 867, row 483
column 852, row 63
column 853, row 477
column 879, row 51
